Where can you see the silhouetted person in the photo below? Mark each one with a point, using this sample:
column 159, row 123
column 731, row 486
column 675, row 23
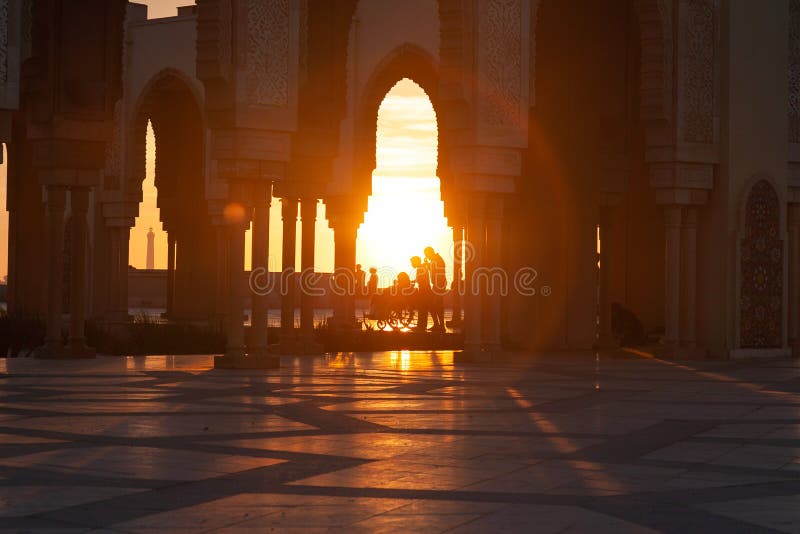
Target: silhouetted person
column 372, row 284
column 438, row 277
column 424, row 293
column 360, row 277
column 626, row 328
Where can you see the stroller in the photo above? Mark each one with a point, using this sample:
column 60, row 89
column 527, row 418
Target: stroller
column 393, row 307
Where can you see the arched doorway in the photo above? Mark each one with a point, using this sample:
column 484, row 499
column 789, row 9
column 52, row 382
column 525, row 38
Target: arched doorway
column 170, row 106
column 405, row 210
column 761, row 271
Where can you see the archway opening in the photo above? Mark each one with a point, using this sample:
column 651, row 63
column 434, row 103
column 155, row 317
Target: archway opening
column 405, row 212
column 169, row 147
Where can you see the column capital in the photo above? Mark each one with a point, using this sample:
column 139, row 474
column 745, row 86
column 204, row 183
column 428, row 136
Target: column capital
column 673, row 216
column 690, row 216
column 56, row 196
column 681, row 175
column 681, row 197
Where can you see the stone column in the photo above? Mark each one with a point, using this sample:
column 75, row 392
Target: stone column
column 457, row 294
column 492, row 259
column 688, row 326
column 473, row 302
column 345, row 232
column 124, row 261
column 79, row 204
column 56, row 204
column 288, row 259
column 260, row 247
column 308, row 216
column 237, row 226
column 672, row 271
column 794, row 278
column 221, row 293
column 170, row 273
column 605, row 338
column 114, row 271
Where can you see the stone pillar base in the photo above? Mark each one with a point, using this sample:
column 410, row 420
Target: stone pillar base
column 606, row 343
column 308, row 347
column 68, row 352
column 480, row 355
column 672, row 352
column 118, row 318
column 261, row 361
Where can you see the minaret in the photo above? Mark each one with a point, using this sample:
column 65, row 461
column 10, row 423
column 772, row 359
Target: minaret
column 151, row 249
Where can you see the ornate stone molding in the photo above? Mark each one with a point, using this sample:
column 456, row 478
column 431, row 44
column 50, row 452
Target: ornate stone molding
column 697, row 43
column 761, row 271
column 114, row 148
column 794, row 71
column 4, row 21
column 682, row 175
column 267, row 76
column 502, row 64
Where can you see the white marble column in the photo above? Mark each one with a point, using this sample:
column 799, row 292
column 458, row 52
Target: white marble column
column 345, row 232
column 114, row 271
column 458, row 273
column 236, row 290
column 605, row 338
column 288, row 260
column 221, row 293
column 688, row 306
column 56, row 205
column 171, row 244
column 473, row 301
column 79, row 204
column 260, row 248
column 124, row 261
column 308, row 216
column 493, row 258
column 794, row 278
column 672, row 271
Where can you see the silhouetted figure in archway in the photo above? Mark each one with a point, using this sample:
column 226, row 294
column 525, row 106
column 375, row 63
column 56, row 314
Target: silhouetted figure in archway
column 424, row 293
column 360, row 277
column 372, row 284
column 438, row 277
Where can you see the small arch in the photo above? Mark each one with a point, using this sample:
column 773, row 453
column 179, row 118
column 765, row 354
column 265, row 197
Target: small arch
column 168, row 80
column 761, row 269
column 406, row 61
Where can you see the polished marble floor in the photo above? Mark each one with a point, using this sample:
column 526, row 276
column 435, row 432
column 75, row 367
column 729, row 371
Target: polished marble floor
column 400, row 442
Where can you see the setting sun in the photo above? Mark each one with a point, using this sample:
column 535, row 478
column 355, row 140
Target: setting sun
column 406, row 212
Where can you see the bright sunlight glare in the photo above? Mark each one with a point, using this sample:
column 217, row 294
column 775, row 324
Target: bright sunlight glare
column 406, row 212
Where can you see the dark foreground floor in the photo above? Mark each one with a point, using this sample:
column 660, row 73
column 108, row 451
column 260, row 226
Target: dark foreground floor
column 400, row 442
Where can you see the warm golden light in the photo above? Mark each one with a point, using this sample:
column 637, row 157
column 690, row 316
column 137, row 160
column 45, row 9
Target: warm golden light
column 406, row 212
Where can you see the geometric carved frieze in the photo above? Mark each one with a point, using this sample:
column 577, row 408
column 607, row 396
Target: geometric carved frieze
column 267, row 74
column 794, row 71
column 501, row 72
column 696, row 70
column 4, row 22
column 794, row 175
column 251, row 144
column 761, row 283
column 486, row 160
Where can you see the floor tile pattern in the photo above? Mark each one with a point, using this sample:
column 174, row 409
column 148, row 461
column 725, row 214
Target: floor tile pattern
column 400, row 442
